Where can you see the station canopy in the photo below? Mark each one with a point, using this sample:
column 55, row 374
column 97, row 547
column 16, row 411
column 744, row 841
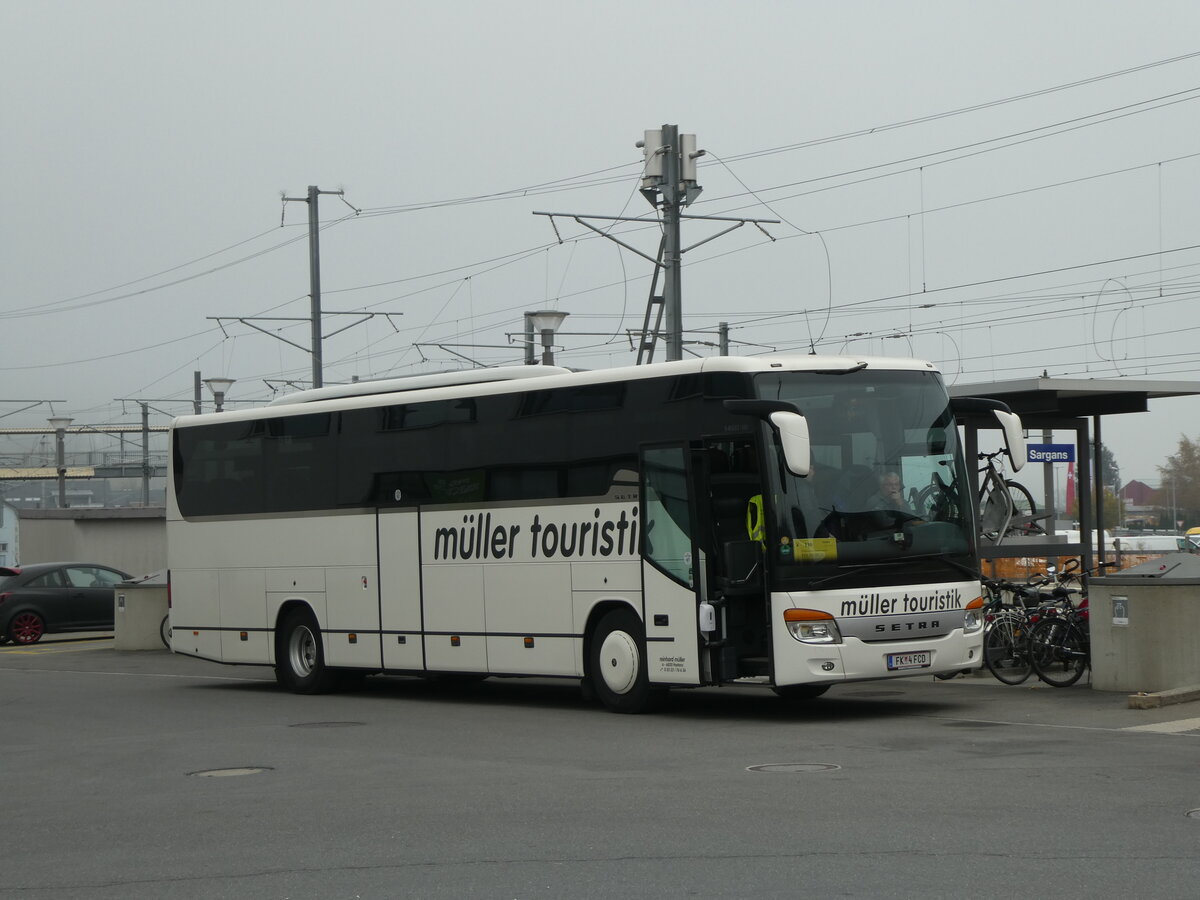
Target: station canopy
column 1075, row 397
column 1065, row 403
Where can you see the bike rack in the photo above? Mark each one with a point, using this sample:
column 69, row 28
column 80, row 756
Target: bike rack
column 1016, row 547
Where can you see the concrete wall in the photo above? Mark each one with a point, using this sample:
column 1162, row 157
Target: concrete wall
column 133, row 540
column 1149, row 640
column 9, row 548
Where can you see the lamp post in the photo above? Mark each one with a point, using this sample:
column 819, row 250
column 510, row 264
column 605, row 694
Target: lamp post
column 59, row 424
column 546, row 322
column 219, row 387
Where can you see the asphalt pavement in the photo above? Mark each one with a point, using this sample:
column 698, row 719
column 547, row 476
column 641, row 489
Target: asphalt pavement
column 141, row 774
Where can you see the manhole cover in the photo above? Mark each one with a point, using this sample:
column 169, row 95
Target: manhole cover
column 793, row 768
column 326, row 724
column 229, row 773
column 1193, row 813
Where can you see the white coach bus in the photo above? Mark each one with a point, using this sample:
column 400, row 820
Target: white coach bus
column 682, row 524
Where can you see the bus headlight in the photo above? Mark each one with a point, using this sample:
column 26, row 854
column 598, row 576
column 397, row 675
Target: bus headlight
column 812, row 626
column 973, row 616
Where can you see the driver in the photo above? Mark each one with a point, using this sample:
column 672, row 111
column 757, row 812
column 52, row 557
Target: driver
column 890, row 494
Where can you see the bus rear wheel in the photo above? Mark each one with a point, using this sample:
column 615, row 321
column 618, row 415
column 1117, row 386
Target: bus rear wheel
column 617, row 664
column 299, row 657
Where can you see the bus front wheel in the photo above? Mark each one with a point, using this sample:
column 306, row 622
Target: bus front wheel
column 299, row 657
column 617, row 664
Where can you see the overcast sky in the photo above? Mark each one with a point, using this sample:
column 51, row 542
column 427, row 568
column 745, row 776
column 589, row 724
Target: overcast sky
column 1004, row 189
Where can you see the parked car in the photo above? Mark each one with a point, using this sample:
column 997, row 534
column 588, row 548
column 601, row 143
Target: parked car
column 48, row 597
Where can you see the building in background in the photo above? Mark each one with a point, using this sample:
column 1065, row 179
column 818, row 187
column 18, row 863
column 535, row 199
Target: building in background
column 1141, row 505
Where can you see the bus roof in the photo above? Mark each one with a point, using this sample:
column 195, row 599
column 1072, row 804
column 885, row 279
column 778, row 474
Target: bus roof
column 418, row 382
column 502, row 380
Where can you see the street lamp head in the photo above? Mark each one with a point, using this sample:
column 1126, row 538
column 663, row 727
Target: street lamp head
column 547, row 319
column 59, row 422
column 219, row 385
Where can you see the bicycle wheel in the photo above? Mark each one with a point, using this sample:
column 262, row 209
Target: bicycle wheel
column 1024, row 509
column 1006, row 648
column 1058, row 652
column 1022, row 500
column 936, row 503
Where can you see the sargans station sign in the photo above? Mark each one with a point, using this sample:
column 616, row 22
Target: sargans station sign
column 1051, row 453
column 531, row 534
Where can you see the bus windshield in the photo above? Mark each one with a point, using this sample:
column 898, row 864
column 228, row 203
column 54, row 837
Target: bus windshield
column 887, row 481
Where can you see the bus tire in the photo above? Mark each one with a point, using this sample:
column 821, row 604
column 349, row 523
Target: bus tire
column 299, row 656
column 617, row 664
column 799, row 692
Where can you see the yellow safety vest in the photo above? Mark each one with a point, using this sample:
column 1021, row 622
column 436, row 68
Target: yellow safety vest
column 755, row 521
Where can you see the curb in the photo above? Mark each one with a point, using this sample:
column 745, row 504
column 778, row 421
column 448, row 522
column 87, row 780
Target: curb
column 1157, row 699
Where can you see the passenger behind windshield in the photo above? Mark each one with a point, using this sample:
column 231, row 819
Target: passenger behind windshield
column 890, row 494
column 873, row 434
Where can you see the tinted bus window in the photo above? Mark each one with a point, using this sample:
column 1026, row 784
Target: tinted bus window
column 218, row 469
column 299, row 463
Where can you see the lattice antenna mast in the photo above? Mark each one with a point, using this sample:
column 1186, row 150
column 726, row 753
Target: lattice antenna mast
column 668, row 184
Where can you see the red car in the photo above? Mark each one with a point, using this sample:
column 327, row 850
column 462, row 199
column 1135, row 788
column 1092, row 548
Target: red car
column 70, row 596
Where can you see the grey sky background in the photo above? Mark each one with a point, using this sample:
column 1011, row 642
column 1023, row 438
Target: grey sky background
column 944, row 193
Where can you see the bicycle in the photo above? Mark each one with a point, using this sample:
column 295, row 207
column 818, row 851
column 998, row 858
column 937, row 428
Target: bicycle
column 1005, row 635
column 1060, row 645
column 1004, row 507
column 1007, row 626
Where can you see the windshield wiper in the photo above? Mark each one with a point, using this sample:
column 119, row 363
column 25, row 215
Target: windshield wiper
column 898, row 562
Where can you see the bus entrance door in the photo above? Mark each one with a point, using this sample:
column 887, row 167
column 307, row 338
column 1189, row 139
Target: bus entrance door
column 671, row 567
column 736, row 534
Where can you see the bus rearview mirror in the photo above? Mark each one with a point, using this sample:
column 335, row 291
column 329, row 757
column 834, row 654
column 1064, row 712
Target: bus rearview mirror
column 1014, row 438
column 793, row 437
column 1010, row 424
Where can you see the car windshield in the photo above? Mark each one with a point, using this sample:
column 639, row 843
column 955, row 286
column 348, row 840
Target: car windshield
column 886, row 480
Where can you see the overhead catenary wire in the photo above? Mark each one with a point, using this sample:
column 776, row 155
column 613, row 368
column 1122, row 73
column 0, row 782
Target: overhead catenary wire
column 1076, row 123
column 980, row 147
column 569, row 182
column 42, row 309
column 851, row 308
column 62, row 305
column 990, row 104
column 625, row 282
